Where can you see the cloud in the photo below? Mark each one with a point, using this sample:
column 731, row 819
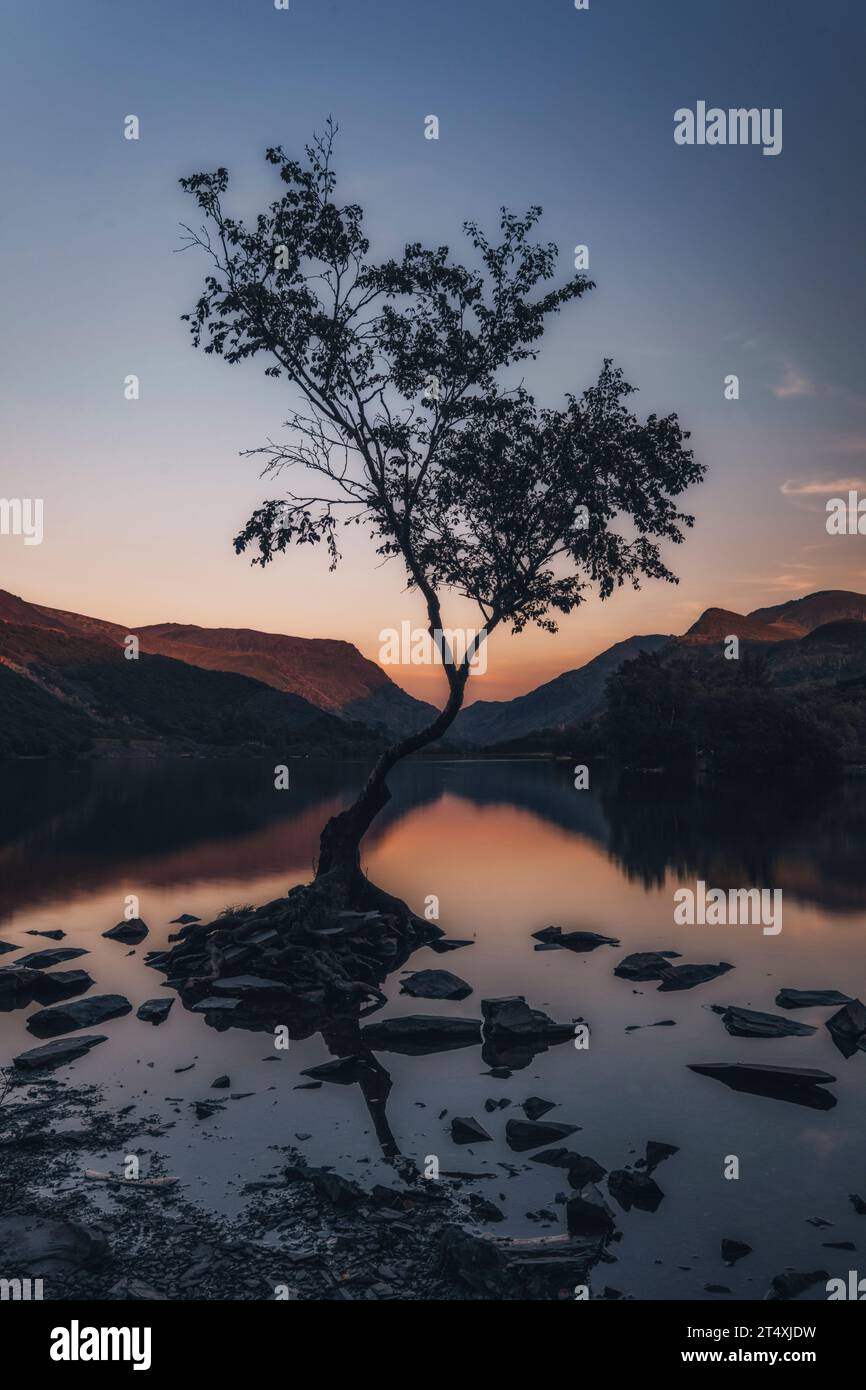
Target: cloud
column 794, row 383
column 821, row 487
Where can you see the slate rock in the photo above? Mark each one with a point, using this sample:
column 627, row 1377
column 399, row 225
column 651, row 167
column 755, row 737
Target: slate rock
column 574, row 940
column 656, row 1153
column 435, row 984
column 214, row 1005
column 811, row 998
column 51, row 987
column 448, row 943
column 645, row 965
column 798, row 1085
column 131, row 931
column 55, row 1054
column 17, row 983
column 511, row 1016
column 53, row 955
column 8, row 946
column 418, row 1034
column 535, row 1107
column 677, row 977
column 847, row 1028
column 154, row 1011
column 51, row 935
column 634, row 1189
column 521, row 1135
column 85, row 1013
column 747, row 1023
column 588, row 1214
column 466, row 1130
column 585, row 1170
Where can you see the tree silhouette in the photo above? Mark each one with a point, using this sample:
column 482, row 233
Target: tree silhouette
column 406, row 425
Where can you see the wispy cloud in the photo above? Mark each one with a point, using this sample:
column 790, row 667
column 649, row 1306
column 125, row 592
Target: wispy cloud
column 821, row 487
column 794, row 383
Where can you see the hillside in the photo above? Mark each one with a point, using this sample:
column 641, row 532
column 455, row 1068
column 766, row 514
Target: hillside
column 566, row 700
column 331, row 675
column 66, row 692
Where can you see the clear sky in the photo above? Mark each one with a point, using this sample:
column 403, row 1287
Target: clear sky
column 709, row 261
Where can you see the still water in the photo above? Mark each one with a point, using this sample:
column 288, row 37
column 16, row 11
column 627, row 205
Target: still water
column 507, row 847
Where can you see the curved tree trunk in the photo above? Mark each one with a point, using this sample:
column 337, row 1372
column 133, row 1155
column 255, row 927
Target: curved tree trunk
column 340, row 844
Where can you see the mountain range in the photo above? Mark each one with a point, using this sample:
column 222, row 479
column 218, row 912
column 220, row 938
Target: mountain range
column 65, row 686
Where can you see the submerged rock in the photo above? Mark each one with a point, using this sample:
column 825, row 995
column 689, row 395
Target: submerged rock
column 184, row 919
column 52, row 935
column 448, row 943
column 573, row 940
column 85, row 1013
column 130, row 932
column 747, row 1023
column 811, row 998
column 8, row 946
column 466, row 1130
column 154, row 1011
column 531, row 1134
column 435, row 984
column 847, row 1028
column 55, row 1054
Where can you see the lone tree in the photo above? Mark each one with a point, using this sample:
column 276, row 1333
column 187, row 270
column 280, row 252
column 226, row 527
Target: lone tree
column 407, row 427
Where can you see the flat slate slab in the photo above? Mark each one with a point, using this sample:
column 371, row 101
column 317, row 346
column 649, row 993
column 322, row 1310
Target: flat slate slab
column 417, row 1034
column 55, row 1054
column 799, row 1085
column 55, row 955
column 748, row 1023
column 84, row 1013
column 811, row 998
column 687, row 976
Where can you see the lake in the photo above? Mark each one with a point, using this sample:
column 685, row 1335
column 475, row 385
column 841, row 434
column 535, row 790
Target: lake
column 507, row 848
